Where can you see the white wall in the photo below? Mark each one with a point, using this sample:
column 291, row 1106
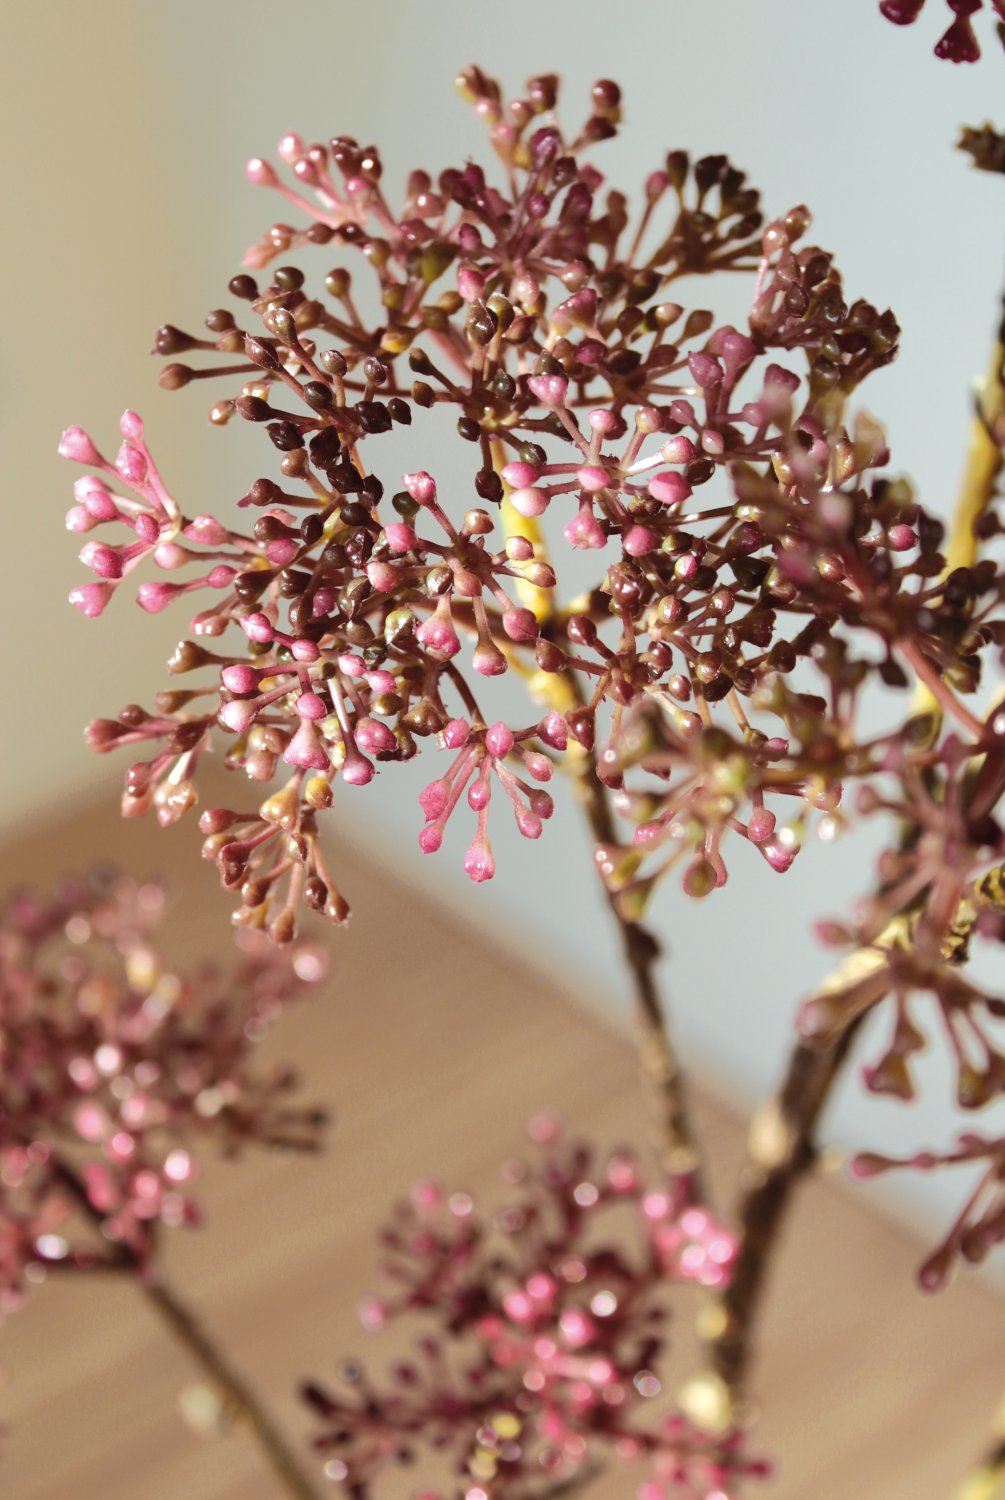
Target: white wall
column 128, row 124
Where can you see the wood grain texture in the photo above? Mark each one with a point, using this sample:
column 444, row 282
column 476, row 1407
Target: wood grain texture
column 433, row 1048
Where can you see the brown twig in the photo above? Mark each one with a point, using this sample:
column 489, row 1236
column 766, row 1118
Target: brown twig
column 239, row 1401
column 780, row 1152
column 674, row 1137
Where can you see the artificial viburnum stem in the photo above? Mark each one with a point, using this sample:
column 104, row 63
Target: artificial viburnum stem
column 239, row 1401
column 674, row 1134
column 781, row 1151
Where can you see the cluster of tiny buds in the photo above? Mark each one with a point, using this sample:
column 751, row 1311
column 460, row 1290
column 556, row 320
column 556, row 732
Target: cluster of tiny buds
column 539, row 1343
column 958, row 42
column 114, row 1068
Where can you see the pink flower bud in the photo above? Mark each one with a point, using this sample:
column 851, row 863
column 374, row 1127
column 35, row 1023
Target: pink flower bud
column 311, row 706
column 258, row 627
column 131, row 426
column 488, row 661
column 239, row 678
column 430, row 838
column 584, row 531
column 383, row 576
column 528, row 823
column 602, row 421
column 351, row 665
column 433, row 799
column 538, row 766
column 530, row 502
column 238, row 714
column 153, row 597
column 777, row 855
column 479, row 794
column 260, row 173
column 282, row 551
column 519, row 475
column 470, row 283
column 374, row 737
column 761, row 825
column 550, row 390
column 901, row 538
column 593, row 478
column 639, row 540
column 131, row 464
column 420, row 486
column 77, row 446
column 520, row 624
column 438, row 636
column 357, row 770
column 91, row 598
column 669, row 489
column 105, row 561
column 400, row 538
column 499, row 740
column 554, row 731
column 305, row 749
column 304, row 650
column 221, row 577
column 454, row 735
column 679, row 450
column 381, row 681
column 207, row 530
column 478, row 862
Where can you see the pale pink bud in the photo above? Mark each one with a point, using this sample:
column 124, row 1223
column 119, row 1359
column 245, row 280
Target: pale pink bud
column 78, row 447
column 584, row 531
column 437, row 635
column 499, row 740
column 639, row 540
column 131, row 464
column 669, row 489
column 520, row 624
column 304, row 650
column 91, row 598
column 131, row 425
column 258, row 627
column 238, row 714
column 679, row 450
column 400, row 538
column 761, row 825
column 478, row 862
column 592, row 478
column 453, row 736
column 488, row 661
column 553, row 730
column 470, row 283
column 305, row 749
column 105, row 561
column 260, row 173
column 530, row 502
column 153, row 597
column 239, row 678
column 311, row 706
column 433, row 799
column 374, row 737
column 421, row 486
column 382, row 576
column 519, row 475
column 550, row 390
column 430, row 838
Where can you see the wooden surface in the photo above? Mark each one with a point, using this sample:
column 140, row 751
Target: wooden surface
column 433, row 1050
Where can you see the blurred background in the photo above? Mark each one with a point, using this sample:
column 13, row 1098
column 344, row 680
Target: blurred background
column 127, row 127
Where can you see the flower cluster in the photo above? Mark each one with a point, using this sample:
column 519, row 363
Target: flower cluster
column 958, row 42
column 113, row 1068
column 745, row 522
column 541, row 1337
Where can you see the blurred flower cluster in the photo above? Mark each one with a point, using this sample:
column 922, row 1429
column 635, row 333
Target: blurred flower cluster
column 114, row 1069
column 537, row 1341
